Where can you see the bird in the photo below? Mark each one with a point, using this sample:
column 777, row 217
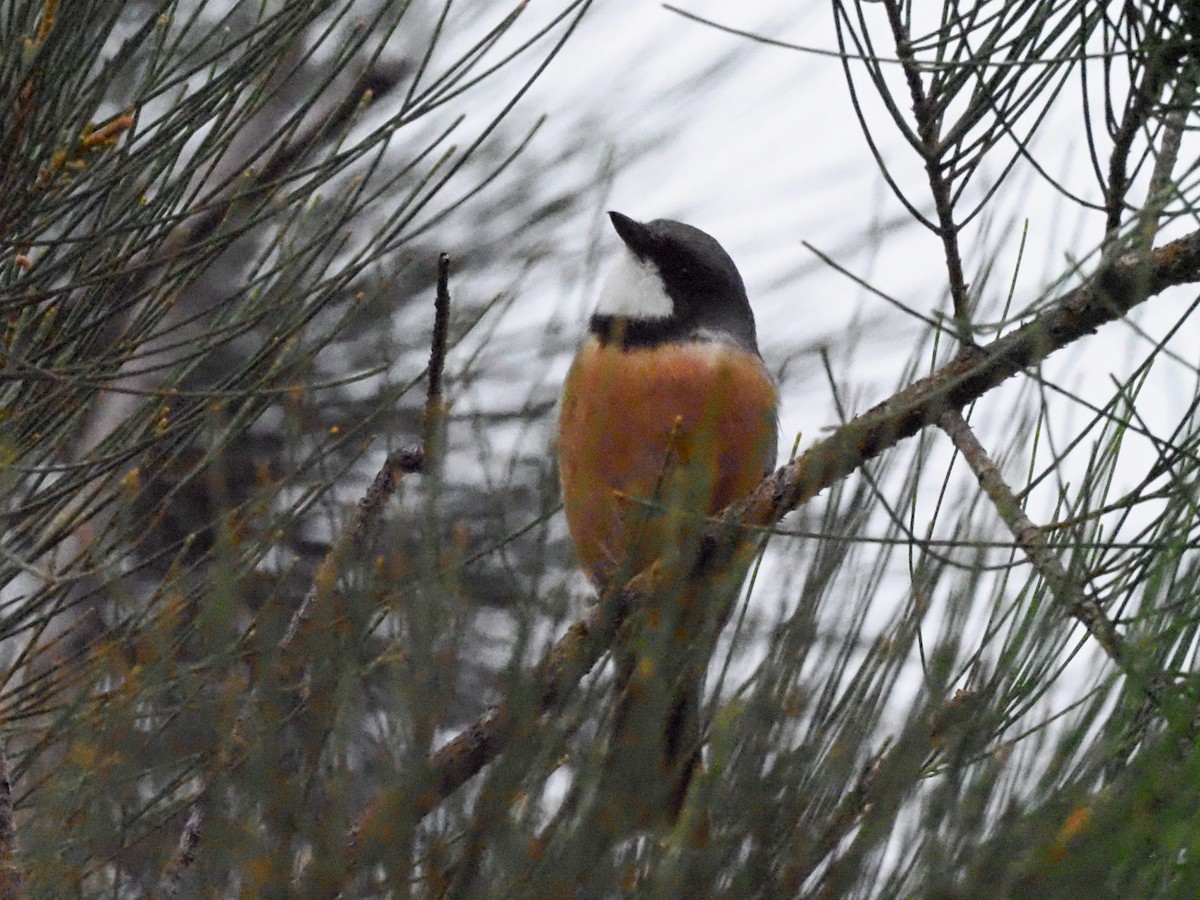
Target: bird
column 668, row 415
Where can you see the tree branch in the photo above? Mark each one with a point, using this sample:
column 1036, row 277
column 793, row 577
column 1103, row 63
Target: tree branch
column 974, row 371
column 1070, row 595
column 1131, row 280
column 932, row 151
column 1159, row 67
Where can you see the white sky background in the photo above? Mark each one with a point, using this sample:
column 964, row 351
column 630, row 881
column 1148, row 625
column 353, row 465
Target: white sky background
column 767, row 154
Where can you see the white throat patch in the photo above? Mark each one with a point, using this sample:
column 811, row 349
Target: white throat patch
column 634, row 290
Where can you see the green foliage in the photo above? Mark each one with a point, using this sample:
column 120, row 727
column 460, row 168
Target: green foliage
column 216, row 283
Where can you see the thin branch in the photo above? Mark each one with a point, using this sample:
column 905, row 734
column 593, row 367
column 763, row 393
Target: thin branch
column 437, row 349
column 1137, row 112
column 1069, row 594
column 1161, row 191
column 926, row 113
column 435, row 407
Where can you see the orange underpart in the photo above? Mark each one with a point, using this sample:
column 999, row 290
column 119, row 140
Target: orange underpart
column 620, row 408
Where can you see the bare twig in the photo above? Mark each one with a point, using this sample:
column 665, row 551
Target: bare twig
column 1159, row 67
column 435, row 410
column 413, row 458
column 1069, row 594
column 932, row 151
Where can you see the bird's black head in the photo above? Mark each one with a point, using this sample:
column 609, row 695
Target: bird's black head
column 674, row 284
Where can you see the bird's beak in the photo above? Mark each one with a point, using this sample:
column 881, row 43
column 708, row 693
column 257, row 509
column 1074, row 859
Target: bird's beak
column 636, row 236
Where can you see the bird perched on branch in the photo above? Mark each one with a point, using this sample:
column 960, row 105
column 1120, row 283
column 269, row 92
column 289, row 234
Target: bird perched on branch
column 668, row 416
